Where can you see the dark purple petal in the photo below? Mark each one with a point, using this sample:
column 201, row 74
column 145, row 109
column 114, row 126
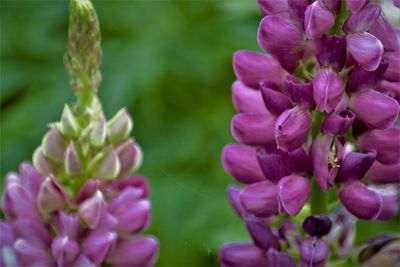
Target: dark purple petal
column 396, row 3
column 260, row 199
column 390, row 88
column 247, row 100
column 383, row 174
column 296, row 11
column 338, row 124
column 253, row 129
column 234, row 198
column 356, row 5
column 275, row 101
column 261, row 233
column 360, row 200
column 272, row 163
column 318, row 20
column 294, row 191
column 292, row 128
column 64, row 250
column 386, row 33
column 390, row 205
column 328, row 90
column 272, row 7
column 366, row 49
column 317, row 225
column 278, row 259
column 97, row 245
column 332, row 5
column 300, row 93
column 297, row 162
column 386, row 142
column 242, row 254
column 361, row 79
column 251, row 67
column 363, row 20
column 375, row 109
column 355, row 165
column 314, row 252
column 332, row 51
column 241, row 162
column 140, row 252
column 393, row 71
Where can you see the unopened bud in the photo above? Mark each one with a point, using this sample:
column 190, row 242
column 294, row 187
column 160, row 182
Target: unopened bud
column 53, row 145
column 72, row 164
column 130, row 156
column 68, row 125
column 51, row 196
column 91, row 209
column 99, row 132
column 119, row 126
column 109, row 166
column 41, row 163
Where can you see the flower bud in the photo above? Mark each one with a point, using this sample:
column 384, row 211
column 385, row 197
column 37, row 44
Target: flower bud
column 338, row 124
column 68, row 125
column 99, row 132
column 64, row 250
column 247, row 100
column 375, row 109
column 41, row 163
column 282, row 38
column 332, row 51
column 92, row 209
column 292, row 128
column 261, row 233
column 53, row 145
column 386, row 142
column 360, row 200
column 67, row 225
column 386, row 33
column 134, row 252
column 130, row 157
column 260, row 199
column 383, row 174
column 363, row 20
column 253, row 129
column 234, row 198
column 110, row 166
column 317, row 225
column 97, row 245
column 318, row 20
column 299, row 93
column 51, row 196
column 314, row 252
column 355, row 165
column 366, row 49
column 241, row 162
column 72, row 163
column 242, row 254
column 293, row 193
column 120, row 126
column 328, row 90
column 356, row 5
column 275, row 101
column 252, row 67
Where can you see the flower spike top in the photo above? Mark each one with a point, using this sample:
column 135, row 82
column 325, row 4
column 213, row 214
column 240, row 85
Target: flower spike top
column 80, row 203
column 317, row 112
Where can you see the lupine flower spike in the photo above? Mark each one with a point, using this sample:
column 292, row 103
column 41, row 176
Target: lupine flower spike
column 79, row 203
column 317, row 112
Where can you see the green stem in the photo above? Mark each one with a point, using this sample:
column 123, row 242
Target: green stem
column 317, row 121
column 319, row 199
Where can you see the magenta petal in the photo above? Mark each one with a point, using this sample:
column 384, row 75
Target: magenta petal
column 247, row 100
column 328, row 90
column 33, row 231
column 128, row 195
column 7, row 236
column 386, row 33
column 356, row 5
column 314, row 252
column 383, row 174
column 297, row 162
column 241, row 162
column 292, row 128
column 338, row 124
column 67, row 224
column 390, row 205
column 83, row 261
column 140, row 252
column 393, row 71
column 275, row 101
column 261, row 233
column 300, row 93
column 294, row 191
column 88, row 190
column 130, row 157
column 251, row 67
column 355, row 165
column 360, row 200
column 28, row 253
column 137, row 182
column 332, row 5
column 318, row 20
column 386, row 142
column 366, row 49
column 375, row 109
column 253, row 129
column 134, row 219
column 271, row 7
column 64, row 250
column 278, row 259
column 234, row 198
column 260, row 199
column 363, row 20
column 97, row 245
column 360, row 79
column 272, row 164
column 390, row 88
column 30, row 178
column 296, row 11
column 242, row 254
column 92, row 209
column 51, row 197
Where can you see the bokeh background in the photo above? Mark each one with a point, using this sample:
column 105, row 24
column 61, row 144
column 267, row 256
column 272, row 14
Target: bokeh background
column 169, row 63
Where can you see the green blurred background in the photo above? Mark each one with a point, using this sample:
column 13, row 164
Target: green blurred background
column 169, row 63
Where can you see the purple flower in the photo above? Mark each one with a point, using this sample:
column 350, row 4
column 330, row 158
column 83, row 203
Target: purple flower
column 366, row 49
column 314, row 252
